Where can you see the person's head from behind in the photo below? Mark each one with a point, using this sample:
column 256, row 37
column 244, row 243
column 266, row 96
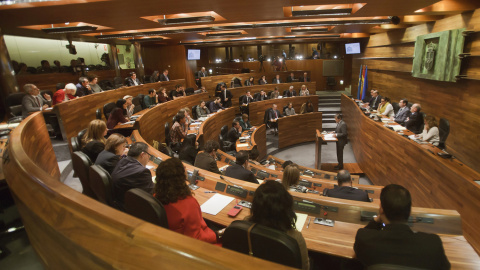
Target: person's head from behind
column 291, row 176
column 253, row 155
column 116, row 144
column 171, row 183
column 180, row 118
column 189, row 141
column 286, row 163
column 272, row 206
column 395, row 204
column 416, row 108
column 211, row 147
column 242, row 158
column 45, row 64
column 139, row 151
column 96, row 131
column 344, row 178
column 121, row 103
column 309, row 103
column 245, row 117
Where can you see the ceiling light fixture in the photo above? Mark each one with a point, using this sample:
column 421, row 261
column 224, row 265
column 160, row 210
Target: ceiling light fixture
column 228, row 34
column 311, row 30
column 184, row 20
column 322, row 12
column 69, row 29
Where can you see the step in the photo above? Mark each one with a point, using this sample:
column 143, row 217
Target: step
column 328, row 115
column 330, row 104
column 327, row 100
column 330, row 109
column 328, row 120
column 329, row 126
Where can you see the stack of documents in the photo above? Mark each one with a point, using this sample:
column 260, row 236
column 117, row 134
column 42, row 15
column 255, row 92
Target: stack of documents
column 216, row 204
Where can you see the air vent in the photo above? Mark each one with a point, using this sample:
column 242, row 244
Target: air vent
column 69, row 29
column 146, row 39
column 322, row 12
column 185, row 20
column 229, row 34
column 304, row 30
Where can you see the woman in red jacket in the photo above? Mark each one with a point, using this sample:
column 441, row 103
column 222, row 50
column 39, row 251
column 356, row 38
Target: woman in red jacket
column 183, row 211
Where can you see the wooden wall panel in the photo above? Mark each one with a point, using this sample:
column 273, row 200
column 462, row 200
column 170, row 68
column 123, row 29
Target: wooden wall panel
column 458, row 102
column 298, row 128
column 211, row 128
column 257, row 109
column 388, row 158
column 259, row 138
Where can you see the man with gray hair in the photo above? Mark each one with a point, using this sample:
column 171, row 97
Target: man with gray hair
column 33, row 101
column 375, row 101
column 415, row 121
column 83, row 87
column 344, row 190
column 62, row 95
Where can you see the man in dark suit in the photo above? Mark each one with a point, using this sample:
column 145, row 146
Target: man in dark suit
column 375, row 101
column 216, row 105
column 225, row 96
column 206, row 159
column 277, row 79
column 305, row 77
column 83, row 87
column 344, row 190
column 262, row 96
column 388, row 239
column 273, row 116
column 33, row 101
column 290, row 92
column 131, row 172
column 403, row 113
column 235, row 132
column 341, row 134
column 245, row 102
column 132, row 80
column 415, row 121
column 202, row 73
column 164, row 76
column 239, row 171
column 262, row 80
column 291, row 78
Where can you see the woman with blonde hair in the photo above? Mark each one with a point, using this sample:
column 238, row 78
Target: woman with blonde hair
column 115, row 148
column 291, row 177
column 94, row 139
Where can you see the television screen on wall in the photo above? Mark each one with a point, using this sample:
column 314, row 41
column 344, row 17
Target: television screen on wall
column 193, row 54
column 352, row 48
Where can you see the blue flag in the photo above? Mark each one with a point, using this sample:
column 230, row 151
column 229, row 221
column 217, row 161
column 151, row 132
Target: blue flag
column 359, row 83
column 365, row 83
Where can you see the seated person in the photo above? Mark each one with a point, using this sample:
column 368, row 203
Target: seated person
column 306, row 107
column 155, row 76
column 388, row 239
column 131, row 172
column 385, row 108
column 179, row 131
column 291, row 178
column 130, row 106
column 305, row 77
column 115, row 148
column 291, row 78
column 188, row 152
column 163, row 96
column 290, row 110
column 287, row 163
column 235, row 132
column 344, row 190
column 247, row 99
column 273, row 116
column 206, row 159
column 83, row 87
column 151, row 99
column 277, row 79
column 164, row 76
column 275, row 93
column 253, row 156
column 430, row 132
column 216, row 105
column 239, row 169
column 290, row 92
column 203, row 90
column 132, row 80
column 117, row 116
column 245, row 123
column 250, row 82
column 182, row 209
column 375, row 100
column 304, row 91
column 202, row 110
column 262, row 80
column 272, row 206
column 93, row 79
column 415, row 120
column 33, row 101
column 178, row 92
column 262, row 96
column 62, row 95
column 94, row 139
column 188, row 118
column 403, row 113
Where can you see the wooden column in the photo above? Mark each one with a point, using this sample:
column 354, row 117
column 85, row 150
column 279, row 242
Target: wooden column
column 114, row 59
column 137, row 58
column 8, row 82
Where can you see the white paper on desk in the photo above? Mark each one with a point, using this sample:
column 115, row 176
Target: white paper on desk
column 215, row 204
column 244, row 138
column 154, row 179
column 271, row 167
column 398, row 127
column 223, row 168
column 329, row 137
column 242, row 145
column 149, row 167
column 301, row 219
column 49, row 108
column 412, row 137
column 127, row 123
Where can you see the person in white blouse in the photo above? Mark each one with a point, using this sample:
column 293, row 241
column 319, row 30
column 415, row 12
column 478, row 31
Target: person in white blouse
column 304, row 91
column 430, row 132
column 385, row 108
column 290, row 110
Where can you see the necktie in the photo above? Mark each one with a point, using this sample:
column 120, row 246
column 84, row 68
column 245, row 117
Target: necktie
column 38, row 101
column 225, row 93
column 276, row 114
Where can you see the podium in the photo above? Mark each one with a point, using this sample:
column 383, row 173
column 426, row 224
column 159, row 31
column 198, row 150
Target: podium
column 319, row 139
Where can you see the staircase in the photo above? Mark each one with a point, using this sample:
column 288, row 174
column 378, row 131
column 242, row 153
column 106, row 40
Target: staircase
column 329, row 105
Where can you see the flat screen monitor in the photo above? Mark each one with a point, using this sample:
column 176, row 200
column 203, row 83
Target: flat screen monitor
column 352, row 48
column 193, row 54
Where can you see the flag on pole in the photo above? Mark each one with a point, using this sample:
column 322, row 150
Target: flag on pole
column 359, row 83
column 365, row 82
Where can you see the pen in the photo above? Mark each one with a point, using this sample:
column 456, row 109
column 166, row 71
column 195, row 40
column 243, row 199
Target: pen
column 308, row 224
column 210, row 192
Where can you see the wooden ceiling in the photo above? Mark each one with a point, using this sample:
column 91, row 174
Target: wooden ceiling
column 123, row 16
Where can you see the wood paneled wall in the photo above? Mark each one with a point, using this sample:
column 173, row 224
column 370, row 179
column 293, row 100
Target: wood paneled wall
column 298, row 128
column 389, row 57
column 173, row 58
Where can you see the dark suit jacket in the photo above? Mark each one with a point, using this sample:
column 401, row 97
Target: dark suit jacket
column 374, row 102
column 188, row 154
column 206, row 162
column 302, row 79
column 402, row 115
column 128, row 174
column 82, row 91
column 239, row 172
column 164, row 78
column 200, row 74
column 107, row 160
column 29, row 104
column 233, row 135
column 129, row 81
column 341, row 131
column 397, row 244
column 414, row 123
column 228, row 103
column 290, row 79
column 248, row 83
column 348, row 193
column 271, row 115
column 275, row 80
column 92, row 149
column 261, row 82
column 247, row 100
column 261, row 98
column 215, row 107
column 287, row 93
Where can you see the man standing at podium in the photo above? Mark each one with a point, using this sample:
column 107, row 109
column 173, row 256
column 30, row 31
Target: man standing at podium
column 341, row 134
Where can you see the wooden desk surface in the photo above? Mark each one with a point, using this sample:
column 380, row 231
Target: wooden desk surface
column 257, row 139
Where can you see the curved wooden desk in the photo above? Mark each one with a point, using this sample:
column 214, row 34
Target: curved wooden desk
column 388, row 158
column 299, row 128
column 258, row 139
column 257, row 109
